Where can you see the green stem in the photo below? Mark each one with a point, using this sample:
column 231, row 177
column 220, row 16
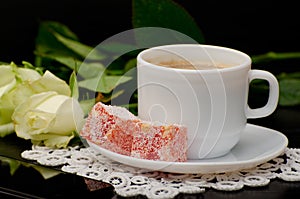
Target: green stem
column 271, row 56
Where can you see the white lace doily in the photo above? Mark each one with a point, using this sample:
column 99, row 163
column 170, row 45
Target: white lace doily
column 130, row 181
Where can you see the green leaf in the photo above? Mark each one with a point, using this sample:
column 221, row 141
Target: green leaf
column 131, row 107
column 105, row 84
column 60, row 28
column 46, row 173
column 90, row 70
column 272, row 56
column 48, row 47
column 108, row 83
column 69, row 61
column 47, row 42
column 293, row 75
column 87, row 105
column 74, row 86
column 165, row 14
column 130, row 64
column 3, row 63
column 56, row 37
column 13, row 164
column 30, row 66
column 108, row 98
column 81, row 49
column 116, row 47
column 289, row 92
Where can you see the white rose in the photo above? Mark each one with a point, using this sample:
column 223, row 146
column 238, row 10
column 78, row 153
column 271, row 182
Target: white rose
column 48, row 118
column 11, row 78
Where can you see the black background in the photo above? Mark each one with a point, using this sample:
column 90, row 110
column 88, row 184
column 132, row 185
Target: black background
column 254, row 27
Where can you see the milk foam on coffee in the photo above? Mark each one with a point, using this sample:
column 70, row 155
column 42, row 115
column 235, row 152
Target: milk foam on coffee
column 182, row 64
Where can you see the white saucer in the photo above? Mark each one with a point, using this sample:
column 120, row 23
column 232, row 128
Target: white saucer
column 256, row 146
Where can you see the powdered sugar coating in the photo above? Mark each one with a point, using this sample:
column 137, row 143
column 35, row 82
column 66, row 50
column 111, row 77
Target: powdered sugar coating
column 116, row 129
column 110, row 127
column 163, row 142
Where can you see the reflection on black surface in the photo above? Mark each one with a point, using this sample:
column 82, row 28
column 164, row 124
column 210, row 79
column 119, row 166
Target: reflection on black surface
column 275, row 190
column 28, row 183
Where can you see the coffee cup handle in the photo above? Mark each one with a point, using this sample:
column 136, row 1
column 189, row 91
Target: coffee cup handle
column 273, row 94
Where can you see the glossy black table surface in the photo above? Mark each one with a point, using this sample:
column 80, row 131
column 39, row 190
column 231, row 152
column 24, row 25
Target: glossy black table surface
column 28, row 183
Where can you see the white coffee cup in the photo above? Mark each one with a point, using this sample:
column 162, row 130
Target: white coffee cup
column 210, row 101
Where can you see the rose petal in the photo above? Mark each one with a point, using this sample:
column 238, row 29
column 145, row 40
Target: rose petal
column 27, row 74
column 19, row 115
column 52, row 140
column 49, row 82
column 38, row 122
column 58, row 141
column 48, row 118
column 68, row 117
column 6, row 129
column 7, row 75
column 52, row 104
column 6, row 108
column 5, row 88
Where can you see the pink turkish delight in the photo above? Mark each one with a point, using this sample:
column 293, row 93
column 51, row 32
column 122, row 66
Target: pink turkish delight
column 116, row 129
